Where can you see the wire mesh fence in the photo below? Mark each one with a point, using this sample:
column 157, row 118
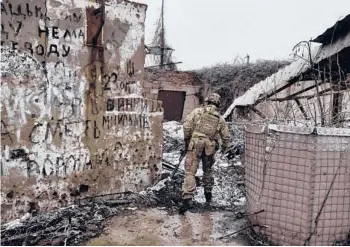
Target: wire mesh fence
column 300, row 178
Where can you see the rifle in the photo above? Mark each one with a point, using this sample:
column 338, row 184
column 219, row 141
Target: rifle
column 182, row 156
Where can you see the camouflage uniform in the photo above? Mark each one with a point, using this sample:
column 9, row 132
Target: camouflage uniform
column 202, row 128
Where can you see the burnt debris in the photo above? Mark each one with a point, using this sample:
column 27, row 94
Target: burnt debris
column 87, row 218
column 67, row 226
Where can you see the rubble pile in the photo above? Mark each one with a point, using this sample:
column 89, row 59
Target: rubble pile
column 67, row 226
column 236, row 147
column 229, row 183
column 167, row 192
column 86, row 219
column 74, row 224
column 173, row 137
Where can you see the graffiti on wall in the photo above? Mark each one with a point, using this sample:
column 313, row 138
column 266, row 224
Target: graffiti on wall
column 17, row 18
column 42, row 93
column 68, row 108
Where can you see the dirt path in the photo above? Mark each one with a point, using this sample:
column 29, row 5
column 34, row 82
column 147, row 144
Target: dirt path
column 157, row 227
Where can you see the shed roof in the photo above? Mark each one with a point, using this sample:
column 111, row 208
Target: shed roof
column 340, row 29
column 285, row 76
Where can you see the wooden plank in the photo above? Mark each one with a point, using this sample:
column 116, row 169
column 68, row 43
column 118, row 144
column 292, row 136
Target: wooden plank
column 308, row 97
column 272, row 93
column 336, row 107
column 293, row 96
column 259, row 113
column 302, row 109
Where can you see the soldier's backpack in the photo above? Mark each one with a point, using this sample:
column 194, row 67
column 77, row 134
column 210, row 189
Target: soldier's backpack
column 208, row 122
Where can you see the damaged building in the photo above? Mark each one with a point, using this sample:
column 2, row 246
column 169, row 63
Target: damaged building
column 297, row 144
column 180, row 91
column 83, row 137
column 183, row 91
column 314, row 89
column 74, row 121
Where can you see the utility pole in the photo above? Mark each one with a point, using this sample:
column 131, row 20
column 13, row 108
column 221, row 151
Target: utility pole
column 162, row 38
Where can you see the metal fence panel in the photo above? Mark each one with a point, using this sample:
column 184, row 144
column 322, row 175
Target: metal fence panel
column 300, row 177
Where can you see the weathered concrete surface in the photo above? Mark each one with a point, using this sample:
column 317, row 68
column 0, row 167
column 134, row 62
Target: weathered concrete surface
column 73, row 117
column 157, row 227
column 157, row 80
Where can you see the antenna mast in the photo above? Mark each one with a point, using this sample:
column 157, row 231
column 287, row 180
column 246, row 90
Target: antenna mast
column 162, row 36
column 160, row 52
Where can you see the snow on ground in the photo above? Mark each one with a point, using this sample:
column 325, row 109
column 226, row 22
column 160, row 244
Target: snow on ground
column 226, row 191
column 173, row 158
column 173, row 129
column 227, row 172
column 173, row 137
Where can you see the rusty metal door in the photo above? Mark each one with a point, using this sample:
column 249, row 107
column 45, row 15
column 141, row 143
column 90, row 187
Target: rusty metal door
column 173, row 104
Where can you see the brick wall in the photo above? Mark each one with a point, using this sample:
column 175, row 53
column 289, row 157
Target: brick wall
column 184, row 81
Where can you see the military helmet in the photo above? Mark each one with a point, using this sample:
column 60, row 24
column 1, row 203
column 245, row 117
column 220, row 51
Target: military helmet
column 214, row 98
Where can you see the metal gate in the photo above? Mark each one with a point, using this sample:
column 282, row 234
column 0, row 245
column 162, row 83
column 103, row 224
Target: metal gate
column 173, row 104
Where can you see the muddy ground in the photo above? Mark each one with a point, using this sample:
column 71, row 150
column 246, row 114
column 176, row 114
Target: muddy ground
column 199, row 226
column 151, row 216
column 158, row 227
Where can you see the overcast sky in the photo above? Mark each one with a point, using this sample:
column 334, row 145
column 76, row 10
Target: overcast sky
column 205, row 32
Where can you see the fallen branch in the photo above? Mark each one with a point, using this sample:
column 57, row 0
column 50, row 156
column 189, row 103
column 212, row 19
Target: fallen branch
column 246, row 215
column 240, row 230
column 117, row 202
column 65, row 240
column 261, row 211
column 171, row 167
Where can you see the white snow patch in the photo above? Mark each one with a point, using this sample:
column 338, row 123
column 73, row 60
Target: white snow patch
column 12, row 224
column 333, row 131
column 199, row 195
column 160, row 185
column 173, row 158
column 291, row 129
column 241, row 201
column 173, row 129
column 238, row 163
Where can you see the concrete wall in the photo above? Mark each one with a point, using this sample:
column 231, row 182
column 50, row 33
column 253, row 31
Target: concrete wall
column 299, row 177
column 74, row 121
column 156, row 80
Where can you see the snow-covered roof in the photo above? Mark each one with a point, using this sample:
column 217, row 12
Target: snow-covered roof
column 288, row 73
column 338, row 30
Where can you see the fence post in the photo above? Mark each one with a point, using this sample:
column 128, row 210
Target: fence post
column 313, row 148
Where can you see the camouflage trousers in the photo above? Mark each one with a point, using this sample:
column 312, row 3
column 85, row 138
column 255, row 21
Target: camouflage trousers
column 200, row 149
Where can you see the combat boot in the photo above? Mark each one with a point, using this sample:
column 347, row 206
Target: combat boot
column 185, row 206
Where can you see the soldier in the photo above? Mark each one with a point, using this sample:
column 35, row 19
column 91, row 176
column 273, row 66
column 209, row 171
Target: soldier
column 202, row 128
